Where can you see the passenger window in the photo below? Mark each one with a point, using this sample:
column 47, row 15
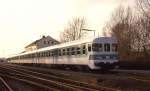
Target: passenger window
column 72, row 51
column 114, row 47
column 49, row 53
column 38, row 54
column 55, row 52
column 68, row 51
column 89, row 47
column 59, row 52
column 84, row 49
column 43, row 54
column 100, row 48
column 63, row 51
column 52, row 53
column 106, row 47
column 78, row 50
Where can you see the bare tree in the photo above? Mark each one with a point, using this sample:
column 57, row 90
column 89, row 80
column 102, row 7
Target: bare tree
column 73, row 31
column 131, row 29
column 121, row 25
column 143, row 7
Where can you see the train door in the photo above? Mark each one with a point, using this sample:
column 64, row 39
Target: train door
column 55, row 56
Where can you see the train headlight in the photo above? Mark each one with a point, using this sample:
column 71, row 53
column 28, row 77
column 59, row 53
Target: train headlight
column 107, row 57
column 99, row 57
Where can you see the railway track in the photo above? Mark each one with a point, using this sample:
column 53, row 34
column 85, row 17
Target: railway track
column 52, row 80
column 127, row 75
column 113, row 77
column 4, row 86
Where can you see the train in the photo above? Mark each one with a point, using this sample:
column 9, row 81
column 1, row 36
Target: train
column 94, row 54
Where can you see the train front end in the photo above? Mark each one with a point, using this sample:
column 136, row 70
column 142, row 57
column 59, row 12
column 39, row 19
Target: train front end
column 104, row 53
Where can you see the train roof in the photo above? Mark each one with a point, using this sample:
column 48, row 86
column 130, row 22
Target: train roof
column 77, row 42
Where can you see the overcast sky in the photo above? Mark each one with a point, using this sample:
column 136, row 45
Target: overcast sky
column 24, row 21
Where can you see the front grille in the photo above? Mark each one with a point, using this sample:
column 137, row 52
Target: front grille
column 109, row 65
column 104, row 57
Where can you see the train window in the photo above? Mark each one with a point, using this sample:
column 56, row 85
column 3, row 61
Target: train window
column 46, row 54
column 55, row 52
column 89, row 47
column 107, row 47
column 63, row 51
column 32, row 55
column 52, row 53
column 42, row 54
column 83, row 49
column 49, row 53
column 83, row 46
column 72, row 51
column 38, row 54
column 95, row 47
column 78, row 50
column 100, row 48
column 59, row 52
column 68, row 51
column 114, row 47
column 27, row 56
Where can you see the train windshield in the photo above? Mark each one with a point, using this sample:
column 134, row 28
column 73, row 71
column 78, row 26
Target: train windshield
column 104, row 47
column 97, row 47
column 114, row 47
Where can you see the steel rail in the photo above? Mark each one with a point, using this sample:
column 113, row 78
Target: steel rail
column 5, row 84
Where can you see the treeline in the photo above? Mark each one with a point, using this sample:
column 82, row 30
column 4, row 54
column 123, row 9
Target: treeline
column 132, row 28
